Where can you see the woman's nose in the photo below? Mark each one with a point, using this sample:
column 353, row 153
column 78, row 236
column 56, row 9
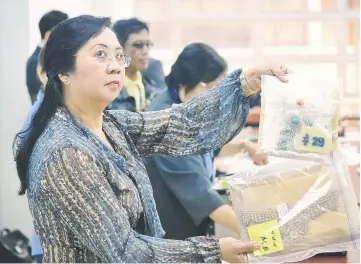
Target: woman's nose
column 114, row 67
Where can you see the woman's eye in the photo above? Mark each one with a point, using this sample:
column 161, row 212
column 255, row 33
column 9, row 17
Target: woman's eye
column 100, row 53
column 120, row 56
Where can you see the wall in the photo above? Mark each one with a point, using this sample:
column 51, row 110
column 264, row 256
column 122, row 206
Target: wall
column 116, row 9
column 14, row 104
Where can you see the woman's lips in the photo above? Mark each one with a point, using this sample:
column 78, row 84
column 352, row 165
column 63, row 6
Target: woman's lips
column 113, row 83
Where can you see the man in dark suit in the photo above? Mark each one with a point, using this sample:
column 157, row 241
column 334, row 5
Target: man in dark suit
column 155, row 72
column 46, row 23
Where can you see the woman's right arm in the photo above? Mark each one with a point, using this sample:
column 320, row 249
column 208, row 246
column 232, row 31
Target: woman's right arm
column 225, row 215
column 77, row 190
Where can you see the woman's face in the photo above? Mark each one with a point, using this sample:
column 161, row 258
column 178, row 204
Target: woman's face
column 99, row 69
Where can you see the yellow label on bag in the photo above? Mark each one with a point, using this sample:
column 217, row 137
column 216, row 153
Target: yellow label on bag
column 314, row 140
column 268, row 236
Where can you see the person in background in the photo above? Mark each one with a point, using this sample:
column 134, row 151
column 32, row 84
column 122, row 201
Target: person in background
column 254, row 111
column 251, row 148
column 182, row 187
column 155, row 73
column 141, row 84
column 81, row 167
column 36, row 250
column 41, row 76
column 46, row 23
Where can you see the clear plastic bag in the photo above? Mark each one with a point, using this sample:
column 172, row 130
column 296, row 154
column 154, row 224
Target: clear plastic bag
column 299, row 119
column 296, row 210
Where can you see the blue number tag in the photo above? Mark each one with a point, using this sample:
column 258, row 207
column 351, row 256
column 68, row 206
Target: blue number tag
column 314, row 140
column 318, row 142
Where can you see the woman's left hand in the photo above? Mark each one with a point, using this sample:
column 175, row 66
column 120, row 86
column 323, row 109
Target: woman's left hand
column 253, row 75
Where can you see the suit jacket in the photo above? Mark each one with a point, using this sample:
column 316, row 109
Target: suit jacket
column 153, row 80
column 125, row 101
column 32, row 80
column 155, row 72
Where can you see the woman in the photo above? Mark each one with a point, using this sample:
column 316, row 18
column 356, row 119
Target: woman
column 182, row 186
column 81, row 166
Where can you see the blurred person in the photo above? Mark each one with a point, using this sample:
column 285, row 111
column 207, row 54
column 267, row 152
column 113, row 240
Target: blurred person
column 46, row 23
column 254, row 111
column 155, row 73
column 81, row 167
column 251, row 148
column 36, row 250
column 41, row 76
column 141, row 83
column 182, row 186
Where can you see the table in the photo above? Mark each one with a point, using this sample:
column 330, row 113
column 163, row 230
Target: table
column 238, row 162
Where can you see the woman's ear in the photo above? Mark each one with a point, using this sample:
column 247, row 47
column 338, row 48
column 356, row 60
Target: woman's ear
column 64, row 78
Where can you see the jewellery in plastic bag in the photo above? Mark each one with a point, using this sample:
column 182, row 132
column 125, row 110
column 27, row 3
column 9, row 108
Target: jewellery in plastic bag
column 296, row 228
column 295, row 120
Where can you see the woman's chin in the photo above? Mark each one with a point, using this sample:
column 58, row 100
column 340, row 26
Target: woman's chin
column 108, row 95
column 111, row 94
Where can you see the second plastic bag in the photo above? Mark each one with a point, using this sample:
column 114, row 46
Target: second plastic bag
column 296, row 209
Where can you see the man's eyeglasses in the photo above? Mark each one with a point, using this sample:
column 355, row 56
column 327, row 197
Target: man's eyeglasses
column 141, row 44
column 125, row 60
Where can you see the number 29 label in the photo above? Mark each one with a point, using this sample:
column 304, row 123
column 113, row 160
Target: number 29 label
column 314, row 140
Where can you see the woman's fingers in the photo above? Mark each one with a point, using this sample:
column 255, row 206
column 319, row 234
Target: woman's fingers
column 246, row 247
column 280, row 73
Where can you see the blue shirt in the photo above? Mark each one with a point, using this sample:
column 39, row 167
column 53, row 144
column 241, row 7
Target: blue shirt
column 35, row 241
column 33, row 110
column 36, row 248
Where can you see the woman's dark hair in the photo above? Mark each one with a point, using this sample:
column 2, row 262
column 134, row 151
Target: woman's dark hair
column 59, row 58
column 197, row 63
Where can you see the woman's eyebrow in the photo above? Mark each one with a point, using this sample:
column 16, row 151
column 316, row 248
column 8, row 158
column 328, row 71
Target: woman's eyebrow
column 106, row 46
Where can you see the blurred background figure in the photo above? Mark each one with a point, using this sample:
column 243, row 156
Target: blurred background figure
column 41, row 76
column 46, row 23
column 254, row 111
column 182, row 187
column 155, row 73
column 144, row 78
column 36, row 250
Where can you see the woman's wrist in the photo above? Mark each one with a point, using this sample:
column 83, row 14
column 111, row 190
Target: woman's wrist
column 208, row 247
column 250, row 84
